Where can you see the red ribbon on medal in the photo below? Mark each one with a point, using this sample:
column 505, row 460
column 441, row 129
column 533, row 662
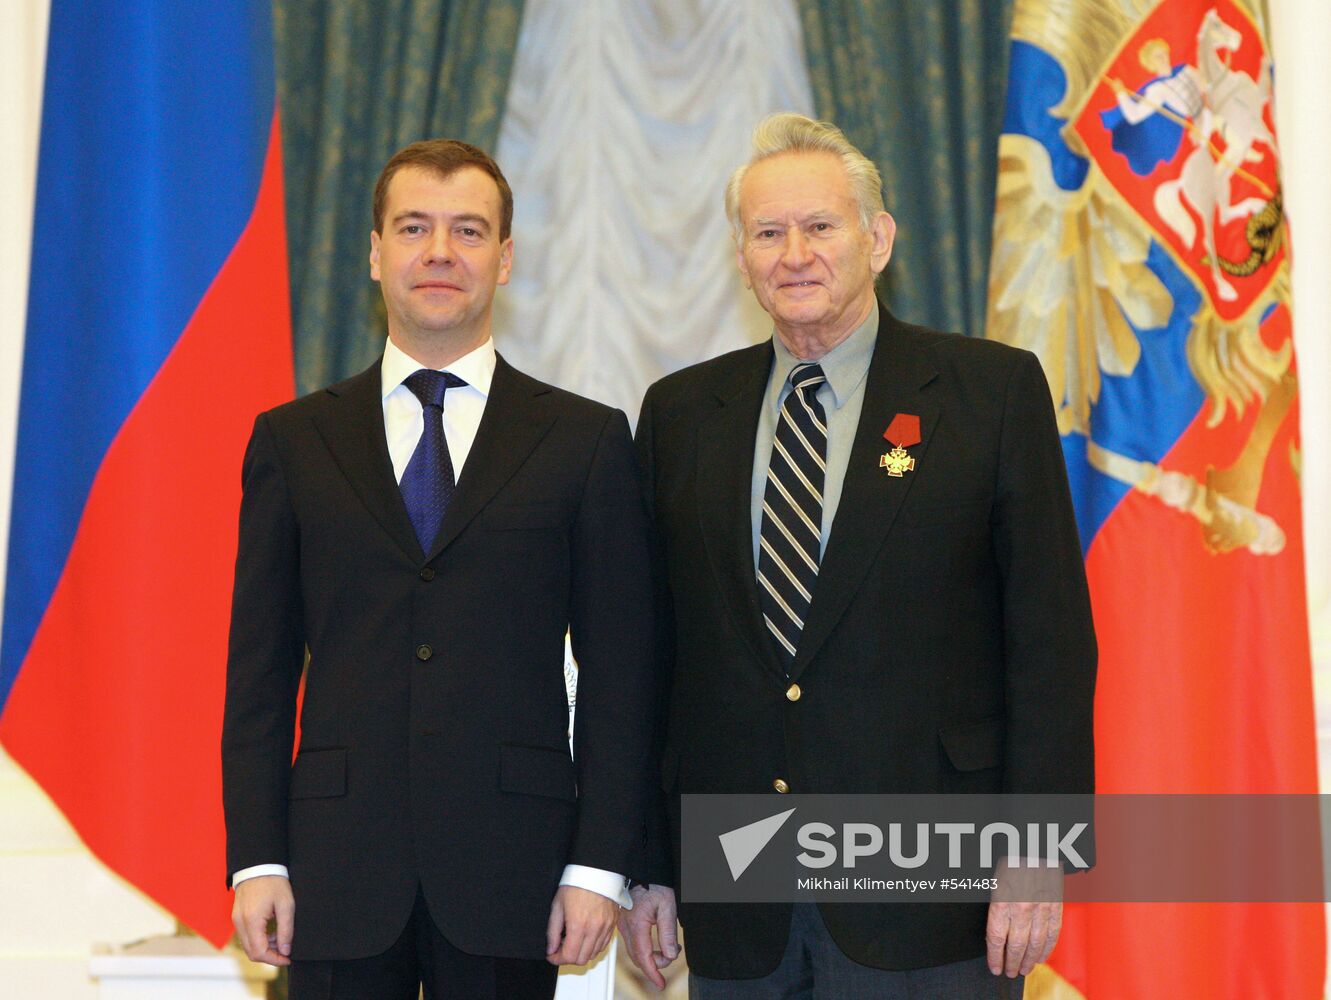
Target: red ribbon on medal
column 904, row 430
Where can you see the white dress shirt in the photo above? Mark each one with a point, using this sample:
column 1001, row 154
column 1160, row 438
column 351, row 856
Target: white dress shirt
column 403, row 425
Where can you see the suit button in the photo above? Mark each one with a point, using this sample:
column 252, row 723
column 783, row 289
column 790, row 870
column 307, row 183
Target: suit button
column 781, row 786
column 427, row 574
column 424, row 652
column 793, row 693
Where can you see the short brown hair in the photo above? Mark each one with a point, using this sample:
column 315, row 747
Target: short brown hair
column 444, row 157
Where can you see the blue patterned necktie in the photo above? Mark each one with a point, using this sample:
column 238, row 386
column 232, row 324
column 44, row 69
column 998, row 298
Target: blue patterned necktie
column 427, row 484
column 790, row 534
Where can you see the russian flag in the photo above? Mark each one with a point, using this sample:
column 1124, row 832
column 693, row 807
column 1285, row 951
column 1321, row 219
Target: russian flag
column 158, row 325
column 1140, row 250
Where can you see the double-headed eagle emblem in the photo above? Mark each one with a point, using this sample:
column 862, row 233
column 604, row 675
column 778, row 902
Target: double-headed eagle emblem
column 1158, row 158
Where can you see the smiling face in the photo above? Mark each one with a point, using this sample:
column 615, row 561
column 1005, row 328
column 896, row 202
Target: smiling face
column 439, row 259
column 803, row 251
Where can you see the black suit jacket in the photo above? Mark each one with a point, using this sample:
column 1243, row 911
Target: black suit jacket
column 433, row 733
column 949, row 645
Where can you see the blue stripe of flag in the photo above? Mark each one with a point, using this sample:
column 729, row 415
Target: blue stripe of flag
column 1141, row 415
column 152, row 146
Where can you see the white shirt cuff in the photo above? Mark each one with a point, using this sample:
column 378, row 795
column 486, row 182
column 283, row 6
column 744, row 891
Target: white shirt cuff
column 597, row 880
column 256, row 870
column 608, row 884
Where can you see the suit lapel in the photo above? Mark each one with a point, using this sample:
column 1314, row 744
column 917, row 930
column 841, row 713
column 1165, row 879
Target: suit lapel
column 353, row 431
column 870, row 498
column 513, row 423
column 725, row 470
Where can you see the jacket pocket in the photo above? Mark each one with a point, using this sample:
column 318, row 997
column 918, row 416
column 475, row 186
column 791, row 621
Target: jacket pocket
column 972, row 746
column 544, row 771
column 319, row 774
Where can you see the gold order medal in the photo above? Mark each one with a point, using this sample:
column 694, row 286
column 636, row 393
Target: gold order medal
column 902, row 433
column 897, row 461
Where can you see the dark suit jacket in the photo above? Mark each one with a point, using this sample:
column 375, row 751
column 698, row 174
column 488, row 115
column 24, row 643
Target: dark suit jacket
column 433, row 733
column 949, row 645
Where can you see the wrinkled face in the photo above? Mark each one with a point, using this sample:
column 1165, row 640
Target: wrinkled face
column 439, row 257
column 803, row 251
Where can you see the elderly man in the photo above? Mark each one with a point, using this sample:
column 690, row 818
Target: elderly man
column 428, row 531
column 876, row 585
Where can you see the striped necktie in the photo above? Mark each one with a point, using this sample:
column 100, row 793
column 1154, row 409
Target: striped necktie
column 790, row 537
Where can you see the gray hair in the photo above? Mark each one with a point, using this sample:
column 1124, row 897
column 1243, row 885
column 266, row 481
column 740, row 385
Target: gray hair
column 787, row 132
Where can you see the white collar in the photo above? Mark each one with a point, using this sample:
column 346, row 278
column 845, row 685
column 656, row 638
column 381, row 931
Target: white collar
column 476, row 367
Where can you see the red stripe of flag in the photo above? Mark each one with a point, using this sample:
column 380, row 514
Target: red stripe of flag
column 117, row 712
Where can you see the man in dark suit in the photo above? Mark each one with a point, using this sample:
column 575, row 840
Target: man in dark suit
column 428, row 531
column 877, row 587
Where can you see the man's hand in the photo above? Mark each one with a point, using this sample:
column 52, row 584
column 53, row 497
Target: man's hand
column 1025, row 916
column 581, row 922
column 259, row 900
column 653, row 906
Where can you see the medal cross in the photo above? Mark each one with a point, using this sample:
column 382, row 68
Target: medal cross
column 896, row 462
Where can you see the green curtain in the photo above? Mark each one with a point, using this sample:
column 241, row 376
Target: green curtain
column 918, row 85
column 356, row 82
